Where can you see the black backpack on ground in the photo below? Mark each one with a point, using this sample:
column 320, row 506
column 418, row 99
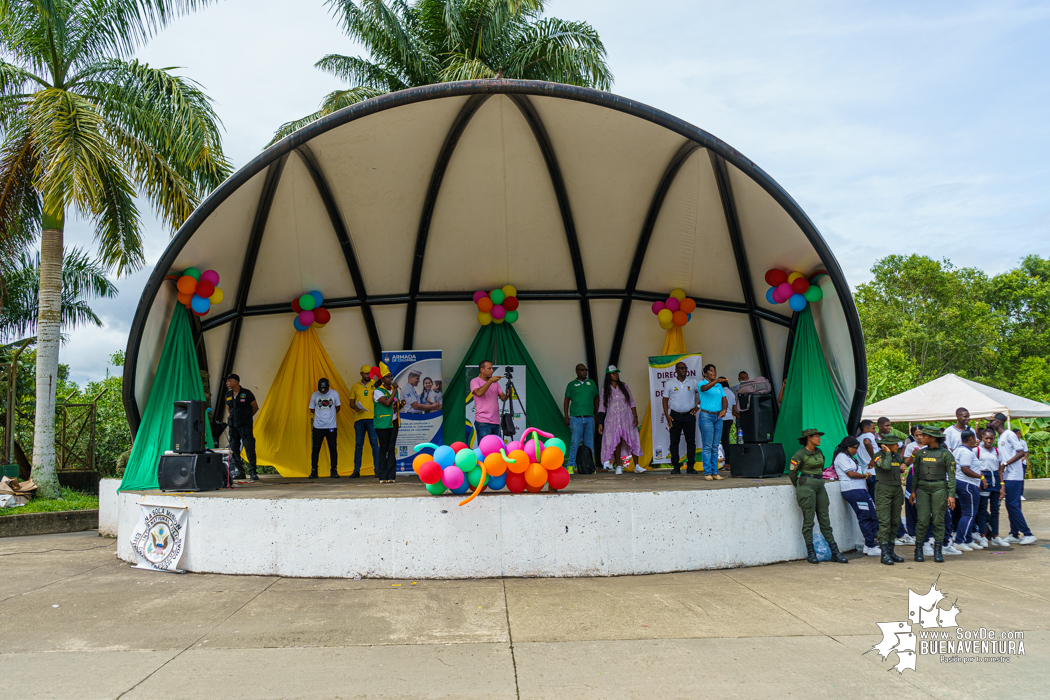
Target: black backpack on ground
column 584, row 460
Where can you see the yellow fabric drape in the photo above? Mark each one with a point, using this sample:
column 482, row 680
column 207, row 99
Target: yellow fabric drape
column 282, row 428
column 674, row 344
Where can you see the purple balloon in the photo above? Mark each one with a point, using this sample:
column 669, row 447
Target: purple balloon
column 671, row 304
column 210, row 276
column 658, row 306
column 452, row 477
column 479, row 295
column 498, row 311
column 306, row 318
column 784, row 292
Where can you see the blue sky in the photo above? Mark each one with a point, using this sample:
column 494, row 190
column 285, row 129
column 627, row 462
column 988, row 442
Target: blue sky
column 900, row 127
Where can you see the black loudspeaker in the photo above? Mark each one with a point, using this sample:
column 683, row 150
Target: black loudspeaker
column 756, row 461
column 191, row 472
column 757, row 421
column 187, row 427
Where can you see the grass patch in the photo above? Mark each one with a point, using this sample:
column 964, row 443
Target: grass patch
column 70, row 500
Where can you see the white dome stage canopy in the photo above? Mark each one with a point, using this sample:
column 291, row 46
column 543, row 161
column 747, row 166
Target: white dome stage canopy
column 593, row 206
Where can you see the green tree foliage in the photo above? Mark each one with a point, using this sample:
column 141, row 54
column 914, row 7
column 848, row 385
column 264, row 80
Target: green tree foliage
column 438, row 41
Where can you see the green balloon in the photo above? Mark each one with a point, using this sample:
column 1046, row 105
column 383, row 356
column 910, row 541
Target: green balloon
column 436, row 489
column 497, row 296
column 814, row 293
column 307, row 302
column 466, row 460
column 192, row 272
column 555, row 442
column 474, row 477
column 511, row 317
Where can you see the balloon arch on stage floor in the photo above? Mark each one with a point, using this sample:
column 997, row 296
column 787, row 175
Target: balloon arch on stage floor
column 399, row 209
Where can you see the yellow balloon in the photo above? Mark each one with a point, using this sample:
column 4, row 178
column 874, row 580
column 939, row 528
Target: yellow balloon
column 217, row 296
column 667, row 326
column 794, row 276
column 678, row 294
column 510, row 291
column 498, row 321
column 665, row 316
column 484, row 318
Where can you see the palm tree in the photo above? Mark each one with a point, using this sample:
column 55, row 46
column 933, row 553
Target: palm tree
column 439, row 41
column 85, row 128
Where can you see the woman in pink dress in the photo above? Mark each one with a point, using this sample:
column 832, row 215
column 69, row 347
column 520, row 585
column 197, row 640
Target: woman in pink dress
column 619, row 431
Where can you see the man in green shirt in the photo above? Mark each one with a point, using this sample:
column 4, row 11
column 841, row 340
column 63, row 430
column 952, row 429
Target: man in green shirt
column 889, row 496
column 934, row 491
column 807, row 476
column 580, row 406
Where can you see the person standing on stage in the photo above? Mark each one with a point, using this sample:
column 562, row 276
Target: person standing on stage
column 953, row 433
column 968, row 490
column 888, row 495
column 1011, row 454
column 487, row 396
column 364, row 421
column 241, row 408
column 807, row 476
column 324, row 407
column 580, row 406
column 681, row 404
column 729, row 417
column 934, row 491
column 854, row 489
column 388, row 405
column 713, row 408
column 619, row 430
column 741, row 377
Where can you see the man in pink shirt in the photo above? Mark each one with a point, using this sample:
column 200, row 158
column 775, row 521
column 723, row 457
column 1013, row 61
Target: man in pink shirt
column 486, row 401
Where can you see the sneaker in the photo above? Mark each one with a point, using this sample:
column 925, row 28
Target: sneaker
column 982, row 540
column 709, row 477
column 1027, row 539
column 927, row 550
column 640, row 470
column 619, row 469
column 1011, row 538
column 872, row 551
column 718, row 477
column 975, row 545
column 901, row 541
column 963, row 546
column 999, row 542
column 950, row 549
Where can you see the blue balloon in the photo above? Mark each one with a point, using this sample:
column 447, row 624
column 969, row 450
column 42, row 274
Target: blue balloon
column 497, row 482
column 463, row 488
column 298, row 326
column 797, row 302
column 688, row 317
column 320, row 299
column 200, row 304
column 445, row 456
column 769, row 295
column 477, row 451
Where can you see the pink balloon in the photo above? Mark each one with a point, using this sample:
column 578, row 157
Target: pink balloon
column 784, row 291
column 530, row 449
column 671, row 304
column 210, row 276
column 306, row 318
column 658, row 306
column 479, row 294
column 498, row 311
column 452, row 477
column 513, row 445
column 490, row 444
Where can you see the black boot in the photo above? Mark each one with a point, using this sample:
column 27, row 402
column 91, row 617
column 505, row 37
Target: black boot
column 893, row 552
column 334, row 474
column 690, row 470
column 836, row 555
column 811, row 554
column 938, row 554
column 252, row 474
column 313, row 473
column 886, row 551
column 918, row 550
column 676, row 470
column 355, row 475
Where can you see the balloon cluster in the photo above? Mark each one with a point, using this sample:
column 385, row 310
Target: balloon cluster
column 677, row 310
column 309, row 312
column 793, row 288
column 497, row 306
column 199, row 290
column 519, row 465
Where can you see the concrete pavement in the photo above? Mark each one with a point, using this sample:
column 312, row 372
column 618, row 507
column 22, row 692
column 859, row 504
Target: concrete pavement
column 77, row 623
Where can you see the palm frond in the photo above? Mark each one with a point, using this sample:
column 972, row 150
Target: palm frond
column 117, row 221
column 333, row 102
column 358, row 71
column 462, row 67
column 561, row 51
column 19, row 201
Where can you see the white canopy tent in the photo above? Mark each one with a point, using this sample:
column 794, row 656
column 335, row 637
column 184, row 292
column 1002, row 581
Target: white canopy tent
column 593, row 206
column 939, row 399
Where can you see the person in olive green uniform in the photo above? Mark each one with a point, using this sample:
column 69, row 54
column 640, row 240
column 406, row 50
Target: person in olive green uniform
column 807, row 476
column 934, row 490
column 889, row 497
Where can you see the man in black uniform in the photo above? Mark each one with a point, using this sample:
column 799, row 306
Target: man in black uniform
column 241, row 408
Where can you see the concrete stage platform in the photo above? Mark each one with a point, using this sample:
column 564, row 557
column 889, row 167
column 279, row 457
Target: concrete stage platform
column 601, row 525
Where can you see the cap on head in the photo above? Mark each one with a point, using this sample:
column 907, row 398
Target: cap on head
column 612, row 369
column 810, row 431
column 383, row 369
column 933, row 432
column 415, row 373
column 888, row 440
column 322, row 385
column 366, row 368
column 234, row 377
column 1001, row 417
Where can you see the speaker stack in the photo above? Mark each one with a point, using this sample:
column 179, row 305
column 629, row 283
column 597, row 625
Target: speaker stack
column 758, row 456
column 189, row 466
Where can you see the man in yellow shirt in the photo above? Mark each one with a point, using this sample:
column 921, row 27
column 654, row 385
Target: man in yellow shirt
column 364, row 413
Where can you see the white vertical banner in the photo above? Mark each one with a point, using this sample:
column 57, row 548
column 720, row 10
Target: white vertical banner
column 159, row 539
column 661, row 370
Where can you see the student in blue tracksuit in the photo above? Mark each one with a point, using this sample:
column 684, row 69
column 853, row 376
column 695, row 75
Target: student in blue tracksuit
column 854, row 488
column 1012, row 454
column 967, row 491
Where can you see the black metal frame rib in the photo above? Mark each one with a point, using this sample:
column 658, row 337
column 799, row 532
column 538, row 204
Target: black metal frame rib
column 670, row 173
column 459, row 125
column 558, row 183
column 339, row 226
column 513, row 88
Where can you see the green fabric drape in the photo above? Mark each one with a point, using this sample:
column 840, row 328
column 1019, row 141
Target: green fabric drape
column 500, row 343
column 809, row 398
column 178, row 379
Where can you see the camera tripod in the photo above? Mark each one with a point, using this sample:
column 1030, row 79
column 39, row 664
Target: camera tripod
column 506, row 418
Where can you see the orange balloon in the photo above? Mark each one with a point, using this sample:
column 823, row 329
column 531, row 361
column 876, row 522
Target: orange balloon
column 533, row 489
column 536, row 475
column 494, row 464
column 185, row 299
column 521, row 462
column 551, row 458
column 186, row 284
column 420, row 460
column 484, row 304
column 687, row 305
column 680, row 318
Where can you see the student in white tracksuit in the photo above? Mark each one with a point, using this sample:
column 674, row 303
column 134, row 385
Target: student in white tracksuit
column 1011, row 453
column 854, row 488
column 967, row 490
column 988, row 509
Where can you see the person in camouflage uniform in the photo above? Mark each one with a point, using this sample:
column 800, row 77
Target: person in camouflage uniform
column 807, row 476
column 889, row 497
column 934, row 491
